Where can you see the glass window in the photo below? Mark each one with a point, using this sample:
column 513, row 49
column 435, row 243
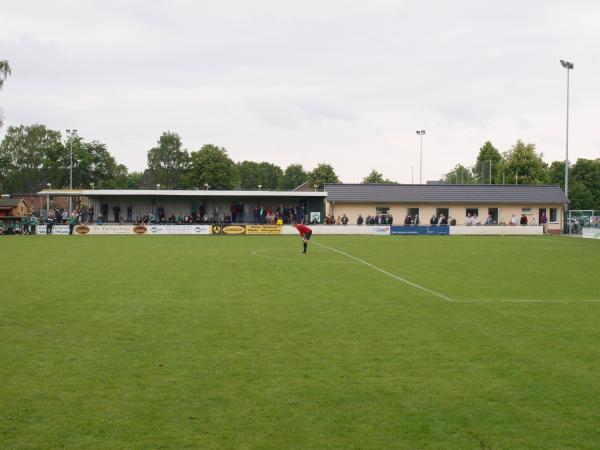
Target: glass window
column 382, row 210
column 525, row 211
column 444, row 211
column 494, row 213
column 554, row 215
column 472, row 212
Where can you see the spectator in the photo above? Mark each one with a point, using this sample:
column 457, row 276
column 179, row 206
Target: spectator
column 523, row 220
column 129, row 213
column 390, row 219
column 544, row 222
column 489, row 220
column 49, row 224
column 476, row 220
column 344, row 220
column 72, row 222
column 434, row 220
column 91, row 213
column 360, row 220
column 468, row 220
column 33, row 224
column 408, row 220
column 514, row 220
column 443, row 220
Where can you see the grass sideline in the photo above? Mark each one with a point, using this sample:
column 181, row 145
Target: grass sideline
column 243, row 342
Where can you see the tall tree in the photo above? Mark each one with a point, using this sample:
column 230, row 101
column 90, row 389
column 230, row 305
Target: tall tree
column 168, row 162
column 24, row 154
column 4, row 73
column 322, row 174
column 252, row 174
column 293, row 176
column 488, row 161
column 375, row 177
column 211, row 165
column 522, row 165
column 460, row 175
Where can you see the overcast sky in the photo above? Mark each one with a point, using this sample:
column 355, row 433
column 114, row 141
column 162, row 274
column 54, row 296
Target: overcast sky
column 343, row 82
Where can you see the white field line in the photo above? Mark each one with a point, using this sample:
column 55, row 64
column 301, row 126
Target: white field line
column 379, row 269
column 525, row 300
column 262, row 253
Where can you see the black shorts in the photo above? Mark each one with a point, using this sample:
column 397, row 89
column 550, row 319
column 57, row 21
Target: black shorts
column 308, row 235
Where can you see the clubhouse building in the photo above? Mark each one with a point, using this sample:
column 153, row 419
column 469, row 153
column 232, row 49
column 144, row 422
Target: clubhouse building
column 454, row 201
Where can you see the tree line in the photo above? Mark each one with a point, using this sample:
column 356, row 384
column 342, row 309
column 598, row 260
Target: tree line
column 33, row 157
column 522, row 164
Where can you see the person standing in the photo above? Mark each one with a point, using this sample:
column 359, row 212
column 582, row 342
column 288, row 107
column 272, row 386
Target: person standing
column 305, row 234
column 544, row 222
column 33, row 224
column 49, row 223
column 72, row 222
column 129, row 213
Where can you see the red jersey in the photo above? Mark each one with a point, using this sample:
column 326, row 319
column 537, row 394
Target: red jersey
column 303, row 229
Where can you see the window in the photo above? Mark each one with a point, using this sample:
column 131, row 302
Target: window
column 444, row 211
column 472, row 212
column 553, row 215
column 494, row 213
column 526, row 211
column 379, row 210
column 413, row 212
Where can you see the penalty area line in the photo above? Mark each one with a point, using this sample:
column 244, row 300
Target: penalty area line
column 389, row 274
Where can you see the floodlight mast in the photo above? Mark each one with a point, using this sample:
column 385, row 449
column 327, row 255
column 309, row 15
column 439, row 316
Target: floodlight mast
column 569, row 66
column 421, row 133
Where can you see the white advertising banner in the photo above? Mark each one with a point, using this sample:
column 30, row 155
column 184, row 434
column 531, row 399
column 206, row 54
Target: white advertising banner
column 483, row 230
column 378, row 230
column 108, row 229
column 178, row 229
column 56, row 229
column 591, row 233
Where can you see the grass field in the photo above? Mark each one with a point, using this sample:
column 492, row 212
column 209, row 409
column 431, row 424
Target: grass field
column 243, row 342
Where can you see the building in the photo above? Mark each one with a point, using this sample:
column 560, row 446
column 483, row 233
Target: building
column 454, row 201
column 13, row 208
column 215, row 204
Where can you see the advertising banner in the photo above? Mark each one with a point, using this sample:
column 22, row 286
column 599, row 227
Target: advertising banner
column 229, row 230
column 412, row 230
column 56, row 229
column 110, row 229
column 263, row 229
column 179, row 229
column 591, row 233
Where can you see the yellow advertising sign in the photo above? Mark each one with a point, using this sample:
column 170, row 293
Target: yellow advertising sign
column 263, row 229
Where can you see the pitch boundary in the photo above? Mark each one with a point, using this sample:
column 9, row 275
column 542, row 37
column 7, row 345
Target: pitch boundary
column 389, row 274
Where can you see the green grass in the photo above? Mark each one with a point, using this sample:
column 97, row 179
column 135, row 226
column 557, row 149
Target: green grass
column 197, row 342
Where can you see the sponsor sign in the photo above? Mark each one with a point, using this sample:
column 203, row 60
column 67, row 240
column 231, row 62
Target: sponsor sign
column 591, row 233
column 497, row 230
column 263, row 229
column 229, row 230
column 315, row 215
column 109, row 229
column 412, row 230
column 179, row 229
column 381, row 230
column 56, row 229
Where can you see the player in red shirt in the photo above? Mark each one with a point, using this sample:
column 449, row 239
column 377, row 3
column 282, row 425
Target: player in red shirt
column 305, row 234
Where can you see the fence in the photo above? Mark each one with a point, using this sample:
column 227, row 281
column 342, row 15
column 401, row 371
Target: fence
column 580, row 219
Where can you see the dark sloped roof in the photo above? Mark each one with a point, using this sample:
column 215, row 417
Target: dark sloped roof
column 9, row 202
column 445, row 193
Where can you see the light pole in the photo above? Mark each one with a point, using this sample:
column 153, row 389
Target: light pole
column 48, row 202
column 259, row 186
column 421, row 133
column 412, row 175
column 569, row 66
column 72, row 134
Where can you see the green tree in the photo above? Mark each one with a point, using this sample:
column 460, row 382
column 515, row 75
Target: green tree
column 522, row 165
column 375, row 177
column 168, row 162
column 4, row 73
column 488, row 160
column 211, row 165
column 252, row 174
column 460, row 175
column 24, row 154
column 293, row 176
column 322, row 174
